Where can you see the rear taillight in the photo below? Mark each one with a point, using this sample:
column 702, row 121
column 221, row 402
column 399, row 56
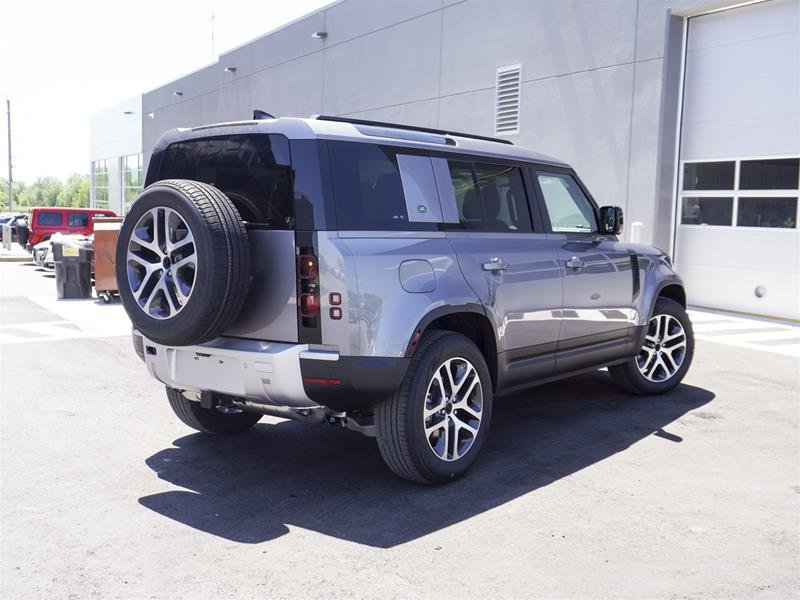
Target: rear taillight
column 308, row 301
column 307, row 266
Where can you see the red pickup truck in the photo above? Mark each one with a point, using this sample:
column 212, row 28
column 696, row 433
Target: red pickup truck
column 47, row 221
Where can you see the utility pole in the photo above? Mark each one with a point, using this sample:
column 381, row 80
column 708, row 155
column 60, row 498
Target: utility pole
column 10, row 184
column 213, row 50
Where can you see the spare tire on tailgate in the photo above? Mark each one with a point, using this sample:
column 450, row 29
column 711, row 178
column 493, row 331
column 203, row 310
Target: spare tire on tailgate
column 183, row 262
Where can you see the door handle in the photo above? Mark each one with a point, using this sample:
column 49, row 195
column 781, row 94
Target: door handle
column 494, row 265
column 575, row 263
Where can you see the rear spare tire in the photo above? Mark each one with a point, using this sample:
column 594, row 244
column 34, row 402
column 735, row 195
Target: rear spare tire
column 183, row 262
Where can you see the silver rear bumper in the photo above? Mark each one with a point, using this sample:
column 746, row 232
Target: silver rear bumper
column 266, row 372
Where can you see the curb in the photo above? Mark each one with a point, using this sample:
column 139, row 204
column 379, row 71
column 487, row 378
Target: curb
column 16, row 259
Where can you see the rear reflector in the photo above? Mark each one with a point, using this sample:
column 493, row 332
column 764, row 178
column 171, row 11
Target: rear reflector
column 319, row 381
column 309, row 305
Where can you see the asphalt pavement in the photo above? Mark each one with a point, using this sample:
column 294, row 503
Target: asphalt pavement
column 582, row 491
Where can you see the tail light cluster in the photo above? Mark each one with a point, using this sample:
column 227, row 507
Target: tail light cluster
column 308, row 286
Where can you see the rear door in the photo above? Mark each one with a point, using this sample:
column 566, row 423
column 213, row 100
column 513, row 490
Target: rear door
column 597, row 316
column 78, row 222
column 509, row 262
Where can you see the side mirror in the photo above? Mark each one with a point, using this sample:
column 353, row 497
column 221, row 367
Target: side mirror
column 611, row 220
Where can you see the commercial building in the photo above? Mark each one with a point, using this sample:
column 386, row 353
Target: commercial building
column 685, row 113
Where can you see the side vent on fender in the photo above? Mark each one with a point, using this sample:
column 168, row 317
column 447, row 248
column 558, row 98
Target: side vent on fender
column 635, row 272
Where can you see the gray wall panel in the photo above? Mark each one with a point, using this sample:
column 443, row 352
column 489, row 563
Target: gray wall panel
column 348, row 20
column 288, row 43
column 292, row 89
column 421, row 113
column 393, row 66
column 584, row 119
column 548, row 38
column 639, row 200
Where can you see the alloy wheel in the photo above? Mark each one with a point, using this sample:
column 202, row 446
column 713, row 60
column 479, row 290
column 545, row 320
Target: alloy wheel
column 664, row 349
column 162, row 263
column 453, row 409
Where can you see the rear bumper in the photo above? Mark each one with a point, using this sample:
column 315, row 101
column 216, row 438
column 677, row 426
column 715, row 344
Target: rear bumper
column 275, row 373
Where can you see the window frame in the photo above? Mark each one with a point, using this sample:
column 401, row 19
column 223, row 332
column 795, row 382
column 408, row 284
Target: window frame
column 734, row 193
column 545, row 168
column 537, row 222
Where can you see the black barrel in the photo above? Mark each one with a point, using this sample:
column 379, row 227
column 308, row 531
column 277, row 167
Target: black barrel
column 73, row 271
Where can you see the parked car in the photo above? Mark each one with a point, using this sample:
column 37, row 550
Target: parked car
column 11, row 219
column 392, row 280
column 45, row 222
column 43, row 255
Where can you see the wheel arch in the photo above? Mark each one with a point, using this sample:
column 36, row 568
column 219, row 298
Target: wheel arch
column 673, row 291
column 469, row 320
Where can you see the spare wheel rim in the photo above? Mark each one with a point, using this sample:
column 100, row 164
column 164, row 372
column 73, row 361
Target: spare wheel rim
column 162, row 263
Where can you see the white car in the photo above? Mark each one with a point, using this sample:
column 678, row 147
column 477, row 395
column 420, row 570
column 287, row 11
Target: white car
column 43, row 255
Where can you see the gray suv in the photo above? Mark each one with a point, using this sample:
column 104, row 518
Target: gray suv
column 388, row 279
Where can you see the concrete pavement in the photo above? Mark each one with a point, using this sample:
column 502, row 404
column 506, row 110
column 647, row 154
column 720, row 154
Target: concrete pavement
column 582, row 491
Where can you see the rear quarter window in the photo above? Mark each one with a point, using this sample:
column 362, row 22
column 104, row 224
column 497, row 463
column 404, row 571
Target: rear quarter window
column 50, row 219
column 368, row 189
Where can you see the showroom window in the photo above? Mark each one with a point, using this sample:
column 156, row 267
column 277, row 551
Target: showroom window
column 100, row 184
column 759, row 192
column 131, row 179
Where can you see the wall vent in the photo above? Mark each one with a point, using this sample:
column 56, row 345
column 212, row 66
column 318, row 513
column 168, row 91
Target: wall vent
column 509, row 81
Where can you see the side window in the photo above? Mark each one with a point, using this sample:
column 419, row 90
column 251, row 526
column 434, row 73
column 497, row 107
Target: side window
column 503, row 198
column 78, row 220
column 490, row 197
column 368, row 189
column 568, row 207
column 50, row 219
column 470, row 211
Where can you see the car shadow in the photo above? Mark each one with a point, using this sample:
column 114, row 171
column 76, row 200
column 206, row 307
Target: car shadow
column 249, row 488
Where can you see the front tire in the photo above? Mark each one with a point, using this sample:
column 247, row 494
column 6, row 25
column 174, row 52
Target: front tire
column 666, row 355
column 433, row 428
column 210, row 420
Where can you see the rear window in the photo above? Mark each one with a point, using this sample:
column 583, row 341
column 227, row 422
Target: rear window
column 78, row 219
column 254, row 171
column 368, row 190
column 50, row 219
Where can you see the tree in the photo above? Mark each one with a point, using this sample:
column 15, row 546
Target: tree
column 18, row 191
column 76, row 192
column 43, row 192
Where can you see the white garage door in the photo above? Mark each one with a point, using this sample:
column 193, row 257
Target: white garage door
column 737, row 236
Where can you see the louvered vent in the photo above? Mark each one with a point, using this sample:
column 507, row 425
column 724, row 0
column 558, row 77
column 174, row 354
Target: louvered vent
column 509, row 80
column 635, row 271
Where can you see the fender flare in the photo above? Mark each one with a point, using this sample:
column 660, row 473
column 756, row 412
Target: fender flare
column 442, row 311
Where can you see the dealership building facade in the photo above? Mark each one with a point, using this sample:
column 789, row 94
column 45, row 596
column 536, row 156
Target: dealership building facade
column 685, row 113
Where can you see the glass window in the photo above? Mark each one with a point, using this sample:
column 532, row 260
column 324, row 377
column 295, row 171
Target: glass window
column 50, row 219
column 78, row 219
column 773, row 174
column 503, row 197
column 709, row 175
column 470, row 211
column 253, row 171
column 767, row 212
column 368, row 189
column 131, row 178
column 707, row 211
column 100, row 183
column 567, row 206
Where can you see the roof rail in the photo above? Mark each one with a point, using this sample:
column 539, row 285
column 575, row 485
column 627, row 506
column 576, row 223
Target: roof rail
column 485, row 138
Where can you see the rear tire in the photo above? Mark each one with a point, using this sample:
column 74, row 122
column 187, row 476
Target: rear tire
column 209, row 420
column 433, row 428
column 669, row 339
